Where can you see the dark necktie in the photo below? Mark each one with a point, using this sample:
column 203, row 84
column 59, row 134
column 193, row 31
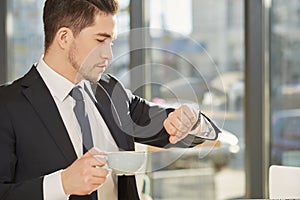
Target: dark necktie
column 83, row 120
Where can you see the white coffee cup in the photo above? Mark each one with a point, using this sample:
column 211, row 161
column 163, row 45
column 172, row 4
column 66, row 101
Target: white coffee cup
column 127, row 162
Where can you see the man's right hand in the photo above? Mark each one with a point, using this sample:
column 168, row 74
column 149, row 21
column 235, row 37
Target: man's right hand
column 84, row 176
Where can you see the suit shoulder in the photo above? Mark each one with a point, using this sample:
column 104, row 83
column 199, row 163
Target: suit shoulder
column 9, row 87
column 11, row 90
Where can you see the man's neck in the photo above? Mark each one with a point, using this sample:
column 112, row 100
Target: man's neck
column 58, row 62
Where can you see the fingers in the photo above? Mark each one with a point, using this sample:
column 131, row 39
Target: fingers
column 94, row 176
column 93, row 162
column 180, row 122
column 190, row 113
column 85, row 175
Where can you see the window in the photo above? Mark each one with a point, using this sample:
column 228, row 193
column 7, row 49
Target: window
column 120, row 64
column 197, row 56
column 24, row 35
column 285, row 82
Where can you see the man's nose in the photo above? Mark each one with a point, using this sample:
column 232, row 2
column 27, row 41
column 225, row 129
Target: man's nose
column 107, row 53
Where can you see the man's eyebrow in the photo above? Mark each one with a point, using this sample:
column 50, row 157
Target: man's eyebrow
column 104, row 35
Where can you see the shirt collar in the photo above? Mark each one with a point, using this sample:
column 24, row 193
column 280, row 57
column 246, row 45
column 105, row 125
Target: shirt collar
column 88, row 89
column 58, row 85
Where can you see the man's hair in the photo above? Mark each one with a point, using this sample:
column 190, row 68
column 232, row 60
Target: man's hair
column 73, row 14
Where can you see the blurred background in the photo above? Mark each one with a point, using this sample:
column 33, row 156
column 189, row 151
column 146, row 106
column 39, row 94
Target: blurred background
column 237, row 59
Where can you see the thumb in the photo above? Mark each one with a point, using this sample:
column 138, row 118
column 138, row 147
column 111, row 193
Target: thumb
column 87, row 154
column 95, row 152
column 92, row 152
column 98, row 155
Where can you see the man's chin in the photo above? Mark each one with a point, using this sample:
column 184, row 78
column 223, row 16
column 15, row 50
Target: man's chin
column 94, row 79
column 99, row 77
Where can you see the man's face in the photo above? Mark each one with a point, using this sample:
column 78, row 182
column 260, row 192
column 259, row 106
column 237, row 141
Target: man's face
column 91, row 48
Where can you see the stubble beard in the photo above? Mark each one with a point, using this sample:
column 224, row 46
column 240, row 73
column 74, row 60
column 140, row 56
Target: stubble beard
column 82, row 72
column 74, row 64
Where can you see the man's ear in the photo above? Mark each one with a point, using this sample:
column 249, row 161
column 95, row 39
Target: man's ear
column 64, row 37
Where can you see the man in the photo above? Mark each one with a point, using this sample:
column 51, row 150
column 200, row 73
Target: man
column 43, row 154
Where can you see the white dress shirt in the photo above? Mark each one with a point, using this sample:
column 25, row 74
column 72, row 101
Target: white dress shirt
column 60, row 89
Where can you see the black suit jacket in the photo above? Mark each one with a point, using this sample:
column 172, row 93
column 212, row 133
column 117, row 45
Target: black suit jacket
column 34, row 140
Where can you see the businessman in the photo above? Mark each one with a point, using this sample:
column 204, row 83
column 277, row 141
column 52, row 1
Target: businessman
column 52, row 117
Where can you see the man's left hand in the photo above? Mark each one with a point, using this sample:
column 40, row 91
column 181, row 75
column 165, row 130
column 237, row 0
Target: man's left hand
column 180, row 122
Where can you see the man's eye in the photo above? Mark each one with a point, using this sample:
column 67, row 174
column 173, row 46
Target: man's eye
column 100, row 41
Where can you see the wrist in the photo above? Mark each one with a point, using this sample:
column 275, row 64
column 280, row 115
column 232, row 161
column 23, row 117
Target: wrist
column 63, row 181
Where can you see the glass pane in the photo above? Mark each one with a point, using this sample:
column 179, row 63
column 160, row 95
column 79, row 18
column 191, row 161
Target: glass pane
column 285, row 82
column 197, row 56
column 25, row 35
column 119, row 66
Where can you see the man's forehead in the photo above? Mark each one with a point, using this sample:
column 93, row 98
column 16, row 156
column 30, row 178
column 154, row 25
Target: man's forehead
column 106, row 25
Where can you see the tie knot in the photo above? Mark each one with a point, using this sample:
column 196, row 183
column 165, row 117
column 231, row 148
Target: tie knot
column 76, row 93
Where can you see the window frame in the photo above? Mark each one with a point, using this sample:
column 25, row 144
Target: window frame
column 257, row 98
column 3, row 43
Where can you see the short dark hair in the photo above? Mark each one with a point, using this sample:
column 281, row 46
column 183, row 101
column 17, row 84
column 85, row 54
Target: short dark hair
column 73, row 14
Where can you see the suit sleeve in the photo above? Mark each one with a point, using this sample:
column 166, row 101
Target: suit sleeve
column 149, row 118
column 148, row 121
column 145, row 117
column 9, row 189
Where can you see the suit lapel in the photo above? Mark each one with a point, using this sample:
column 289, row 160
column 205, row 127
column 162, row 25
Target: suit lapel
column 112, row 119
column 40, row 98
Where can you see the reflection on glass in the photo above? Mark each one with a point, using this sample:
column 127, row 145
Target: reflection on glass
column 199, row 56
column 25, row 35
column 119, row 66
column 285, row 82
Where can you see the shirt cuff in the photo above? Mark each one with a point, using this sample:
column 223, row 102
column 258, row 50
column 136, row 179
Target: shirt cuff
column 53, row 188
column 204, row 129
